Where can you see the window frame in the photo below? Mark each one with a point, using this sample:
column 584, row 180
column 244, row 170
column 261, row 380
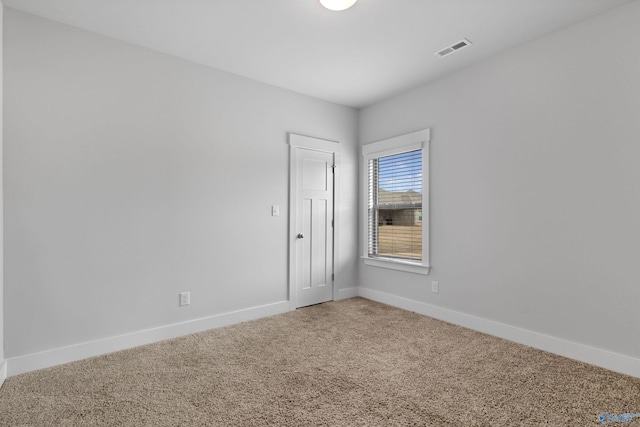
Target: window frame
column 419, row 140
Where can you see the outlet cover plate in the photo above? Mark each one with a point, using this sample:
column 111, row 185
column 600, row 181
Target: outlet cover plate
column 435, row 287
column 185, row 298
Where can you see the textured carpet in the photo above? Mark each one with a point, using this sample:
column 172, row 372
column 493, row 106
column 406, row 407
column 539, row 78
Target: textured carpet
column 353, row 362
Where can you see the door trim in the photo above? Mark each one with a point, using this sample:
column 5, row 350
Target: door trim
column 309, row 143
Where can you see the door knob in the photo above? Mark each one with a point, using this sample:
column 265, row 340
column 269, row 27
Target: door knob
column 300, row 236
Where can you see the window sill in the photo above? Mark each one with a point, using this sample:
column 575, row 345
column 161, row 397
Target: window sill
column 397, row 265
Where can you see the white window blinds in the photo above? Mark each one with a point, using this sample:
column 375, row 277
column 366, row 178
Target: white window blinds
column 395, row 206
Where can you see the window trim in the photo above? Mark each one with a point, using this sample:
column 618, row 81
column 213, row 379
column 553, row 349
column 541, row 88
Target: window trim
column 387, row 147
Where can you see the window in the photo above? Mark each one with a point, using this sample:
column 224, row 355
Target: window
column 397, row 203
column 395, row 206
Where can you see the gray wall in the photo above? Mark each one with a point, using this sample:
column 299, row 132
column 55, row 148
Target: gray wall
column 1, row 195
column 132, row 176
column 535, row 194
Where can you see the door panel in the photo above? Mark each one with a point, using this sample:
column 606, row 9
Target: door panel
column 320, row 262
column 305, row 243
column 315, row 175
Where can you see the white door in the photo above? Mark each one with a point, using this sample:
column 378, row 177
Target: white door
column 313, row 238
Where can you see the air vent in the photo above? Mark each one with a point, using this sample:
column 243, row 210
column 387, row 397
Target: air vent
column 454, row 47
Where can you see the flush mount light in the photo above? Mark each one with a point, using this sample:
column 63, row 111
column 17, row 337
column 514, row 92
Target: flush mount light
column 337, row 5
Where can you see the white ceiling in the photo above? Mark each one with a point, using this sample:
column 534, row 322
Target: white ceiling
column 372, row 51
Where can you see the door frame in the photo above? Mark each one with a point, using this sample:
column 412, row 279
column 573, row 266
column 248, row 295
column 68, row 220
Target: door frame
column 297, row 142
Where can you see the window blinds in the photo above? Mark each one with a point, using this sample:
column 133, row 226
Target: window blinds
column 395, row 206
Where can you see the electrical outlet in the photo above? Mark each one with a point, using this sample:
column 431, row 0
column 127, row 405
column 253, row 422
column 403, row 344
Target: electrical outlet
column 185, row 298
column 435, row 288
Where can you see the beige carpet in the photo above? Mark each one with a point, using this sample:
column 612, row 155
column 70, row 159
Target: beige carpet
column 346, row 363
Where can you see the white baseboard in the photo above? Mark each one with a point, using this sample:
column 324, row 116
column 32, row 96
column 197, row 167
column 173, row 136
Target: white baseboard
column 592, row 355
column 584, row 353
column 58, row 356
column 347, row 293
column 3, row 372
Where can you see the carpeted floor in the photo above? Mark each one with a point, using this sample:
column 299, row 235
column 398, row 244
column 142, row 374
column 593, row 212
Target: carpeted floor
column 346, row 363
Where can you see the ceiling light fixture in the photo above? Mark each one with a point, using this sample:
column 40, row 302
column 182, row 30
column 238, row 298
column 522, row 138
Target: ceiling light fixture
column 337, row 5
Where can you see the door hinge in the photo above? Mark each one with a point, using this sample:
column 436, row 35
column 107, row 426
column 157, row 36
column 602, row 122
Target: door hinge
column 333, row 168
column 331, row 223
column 333, row 277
